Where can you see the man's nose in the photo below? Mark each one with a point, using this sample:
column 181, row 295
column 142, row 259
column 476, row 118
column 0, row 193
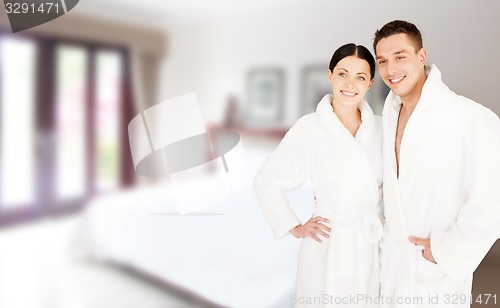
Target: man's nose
column 391, row 68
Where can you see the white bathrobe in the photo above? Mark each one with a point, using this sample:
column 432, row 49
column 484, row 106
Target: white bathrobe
column 448, row 190
column 346, row 174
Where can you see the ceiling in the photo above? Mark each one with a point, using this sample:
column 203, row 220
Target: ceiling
column 180, row 9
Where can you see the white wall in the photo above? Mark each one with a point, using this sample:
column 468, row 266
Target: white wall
column 212, row 56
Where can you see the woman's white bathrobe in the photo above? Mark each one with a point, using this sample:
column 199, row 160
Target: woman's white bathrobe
column 448, row 190
column 346, row 174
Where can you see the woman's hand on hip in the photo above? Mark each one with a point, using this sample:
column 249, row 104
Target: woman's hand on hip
column 312, row 228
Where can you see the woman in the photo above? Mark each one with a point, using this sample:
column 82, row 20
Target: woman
column 338, row 148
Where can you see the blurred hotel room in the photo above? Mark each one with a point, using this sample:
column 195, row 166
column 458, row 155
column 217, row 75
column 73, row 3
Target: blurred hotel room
column 80, row 229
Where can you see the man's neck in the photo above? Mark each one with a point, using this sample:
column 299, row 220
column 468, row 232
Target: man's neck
column 409, row 104
column 411, row 100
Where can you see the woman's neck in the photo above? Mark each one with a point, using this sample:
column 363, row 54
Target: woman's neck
column 350, row 116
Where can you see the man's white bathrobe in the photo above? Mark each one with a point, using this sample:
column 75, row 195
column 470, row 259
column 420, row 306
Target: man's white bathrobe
column 346, row 174
column 448, row 190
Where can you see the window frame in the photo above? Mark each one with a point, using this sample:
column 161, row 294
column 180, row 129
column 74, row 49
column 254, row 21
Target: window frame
column 46, row 203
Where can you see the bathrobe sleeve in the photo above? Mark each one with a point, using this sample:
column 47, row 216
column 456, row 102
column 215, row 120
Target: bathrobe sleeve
column 284, row 170
column 460, row 250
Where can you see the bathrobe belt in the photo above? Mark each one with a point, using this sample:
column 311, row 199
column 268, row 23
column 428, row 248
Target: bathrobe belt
column 408, row 255
column 348, row 249
column 371, row 225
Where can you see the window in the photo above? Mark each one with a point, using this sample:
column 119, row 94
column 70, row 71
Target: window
column 64, row 111
column 17, row 131
column 107, row 113
column 70, row 126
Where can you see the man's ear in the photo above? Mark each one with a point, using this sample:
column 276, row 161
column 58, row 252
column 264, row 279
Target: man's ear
column 422, row 54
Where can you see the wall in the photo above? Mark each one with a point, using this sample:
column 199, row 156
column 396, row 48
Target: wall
column 213, row 54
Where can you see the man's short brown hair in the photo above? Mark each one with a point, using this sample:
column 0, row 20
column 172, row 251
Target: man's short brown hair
column 397, row 27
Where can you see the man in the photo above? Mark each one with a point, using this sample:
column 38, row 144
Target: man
column 441, row 178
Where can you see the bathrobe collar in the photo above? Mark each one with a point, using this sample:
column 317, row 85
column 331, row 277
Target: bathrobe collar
column 432, row 85
column 325, row 111
column 352, row 145
column 432, row 92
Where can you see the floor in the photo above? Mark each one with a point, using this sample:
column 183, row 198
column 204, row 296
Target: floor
column 37, row 272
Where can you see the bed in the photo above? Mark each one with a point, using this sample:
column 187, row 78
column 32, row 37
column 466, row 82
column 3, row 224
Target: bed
column 225, row 254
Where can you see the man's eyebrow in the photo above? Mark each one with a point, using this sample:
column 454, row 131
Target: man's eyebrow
column 399, row 52
column 394, row 53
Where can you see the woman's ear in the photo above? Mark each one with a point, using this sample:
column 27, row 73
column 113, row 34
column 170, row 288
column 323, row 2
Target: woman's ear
column 330, row 75
column 371, row 82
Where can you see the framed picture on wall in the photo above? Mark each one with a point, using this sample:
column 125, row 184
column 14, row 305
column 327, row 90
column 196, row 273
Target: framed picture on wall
column 265, row 95
column 315, row 85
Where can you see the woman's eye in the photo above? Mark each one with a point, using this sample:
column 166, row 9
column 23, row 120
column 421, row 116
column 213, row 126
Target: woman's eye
column 361, row 78
column 342, row 75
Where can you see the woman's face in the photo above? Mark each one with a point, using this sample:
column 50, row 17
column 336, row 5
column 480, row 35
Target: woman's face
column 350, row 79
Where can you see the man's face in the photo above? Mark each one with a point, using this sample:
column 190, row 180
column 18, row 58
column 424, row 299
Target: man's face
column 401, row 66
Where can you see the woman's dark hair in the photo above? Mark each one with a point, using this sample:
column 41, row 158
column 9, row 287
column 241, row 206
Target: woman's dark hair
column 352, row 49
column 397, row 27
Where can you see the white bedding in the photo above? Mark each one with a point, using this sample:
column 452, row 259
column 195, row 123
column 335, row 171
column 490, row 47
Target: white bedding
column 225, row 254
